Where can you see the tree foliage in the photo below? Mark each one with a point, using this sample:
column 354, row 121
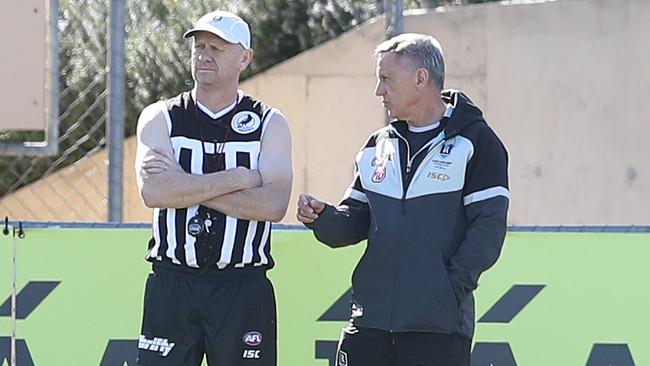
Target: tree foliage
column 284, row 28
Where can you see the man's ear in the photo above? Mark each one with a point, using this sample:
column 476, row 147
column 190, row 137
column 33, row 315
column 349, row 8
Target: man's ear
column 246, row 59
column 421, row 77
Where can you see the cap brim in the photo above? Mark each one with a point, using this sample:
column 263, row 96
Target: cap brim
column 217, row 32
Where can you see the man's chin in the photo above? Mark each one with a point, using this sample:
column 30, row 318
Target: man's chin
column 202, row 81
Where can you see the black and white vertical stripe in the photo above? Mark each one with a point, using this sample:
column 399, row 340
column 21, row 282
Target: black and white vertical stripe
column 235, row 243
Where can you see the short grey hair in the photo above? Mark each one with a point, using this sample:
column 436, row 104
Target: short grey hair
column 422, row 50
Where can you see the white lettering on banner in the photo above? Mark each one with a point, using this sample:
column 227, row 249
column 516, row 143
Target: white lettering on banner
column 156, row 344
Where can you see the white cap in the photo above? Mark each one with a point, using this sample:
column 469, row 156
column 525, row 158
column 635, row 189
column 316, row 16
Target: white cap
column 225, row 25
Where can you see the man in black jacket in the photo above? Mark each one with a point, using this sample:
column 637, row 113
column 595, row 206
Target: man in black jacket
column 430, row 194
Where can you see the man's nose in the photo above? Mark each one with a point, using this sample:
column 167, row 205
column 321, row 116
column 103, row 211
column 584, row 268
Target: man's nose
column 203, row 57
column 379, row 90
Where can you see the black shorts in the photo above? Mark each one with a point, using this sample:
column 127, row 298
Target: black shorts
column 366, row 347
column 228, row 317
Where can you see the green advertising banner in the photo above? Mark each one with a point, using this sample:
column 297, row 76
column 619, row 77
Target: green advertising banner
column 551, row 299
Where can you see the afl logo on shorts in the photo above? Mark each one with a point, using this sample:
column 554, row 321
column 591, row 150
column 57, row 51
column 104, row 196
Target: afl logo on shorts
column 253, row 338
column 245, row 122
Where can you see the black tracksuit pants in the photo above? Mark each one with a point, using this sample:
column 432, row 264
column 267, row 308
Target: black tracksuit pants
column 374, row 347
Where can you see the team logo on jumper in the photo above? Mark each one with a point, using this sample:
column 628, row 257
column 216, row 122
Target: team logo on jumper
column 446, row 149
column 160, row 345
column 342, row 359
column 252, row 338
column 245, row 122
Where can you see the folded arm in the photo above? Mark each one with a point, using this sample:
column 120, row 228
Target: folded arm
column 161, row 180
column 267, row 202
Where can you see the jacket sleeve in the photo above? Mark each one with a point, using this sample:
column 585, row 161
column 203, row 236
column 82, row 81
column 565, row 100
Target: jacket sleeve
column 486, row 198
column 347, row 223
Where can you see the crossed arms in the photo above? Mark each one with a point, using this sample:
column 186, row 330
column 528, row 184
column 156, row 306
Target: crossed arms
column 261, row 195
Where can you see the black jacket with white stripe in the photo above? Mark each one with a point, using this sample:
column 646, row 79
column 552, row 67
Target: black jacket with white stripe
column 428, row 240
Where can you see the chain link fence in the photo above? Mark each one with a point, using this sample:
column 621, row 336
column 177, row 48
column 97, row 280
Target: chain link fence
column 72, row 185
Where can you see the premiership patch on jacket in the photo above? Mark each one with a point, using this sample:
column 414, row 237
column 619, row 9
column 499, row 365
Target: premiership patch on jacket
column 379, row 174
column 380, row 169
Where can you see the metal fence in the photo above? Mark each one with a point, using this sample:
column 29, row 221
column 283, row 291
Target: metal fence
column 73, row 184
column 629, row 229
column 81, row 134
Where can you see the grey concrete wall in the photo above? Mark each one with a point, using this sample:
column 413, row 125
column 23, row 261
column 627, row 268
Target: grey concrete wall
column 566, row 85
column 563, row 83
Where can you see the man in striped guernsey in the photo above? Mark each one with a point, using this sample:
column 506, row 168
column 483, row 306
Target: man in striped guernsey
column 430, row 195
column 215, row 166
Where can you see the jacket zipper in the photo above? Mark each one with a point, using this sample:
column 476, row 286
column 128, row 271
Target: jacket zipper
column 396, row 265
column 409, row 163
